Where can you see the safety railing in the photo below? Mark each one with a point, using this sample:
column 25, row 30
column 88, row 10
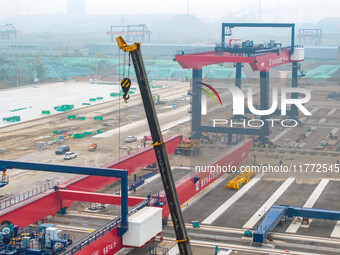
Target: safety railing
column 250, row 52
column 158, row 250
column 26, row 195
column 103, row 230
column 194, row 51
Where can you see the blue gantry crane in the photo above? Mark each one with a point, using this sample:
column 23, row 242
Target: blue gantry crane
column 277, row 212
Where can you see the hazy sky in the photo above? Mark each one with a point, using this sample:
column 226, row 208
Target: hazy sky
column 272, row 10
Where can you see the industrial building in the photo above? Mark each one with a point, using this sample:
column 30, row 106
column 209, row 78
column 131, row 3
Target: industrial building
column 30, row 47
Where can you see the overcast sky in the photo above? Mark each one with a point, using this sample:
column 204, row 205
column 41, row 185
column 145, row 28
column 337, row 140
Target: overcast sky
column 272, row 10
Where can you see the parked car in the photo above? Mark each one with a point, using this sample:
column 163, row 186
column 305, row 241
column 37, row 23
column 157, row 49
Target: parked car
column 62, row 150
column 70, row 155
column 130, row 139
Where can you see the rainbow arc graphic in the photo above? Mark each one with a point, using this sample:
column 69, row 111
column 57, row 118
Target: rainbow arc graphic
column 210, row 94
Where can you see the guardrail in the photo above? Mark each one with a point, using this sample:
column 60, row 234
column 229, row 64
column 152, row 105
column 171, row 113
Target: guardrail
column 193, row 51
column 136, row 184
column 26, row 195
column 158, row 250
column 103, row 230
column 146, row 176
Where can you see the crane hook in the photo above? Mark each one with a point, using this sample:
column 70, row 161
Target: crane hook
column 126, row 84
column 126, row 97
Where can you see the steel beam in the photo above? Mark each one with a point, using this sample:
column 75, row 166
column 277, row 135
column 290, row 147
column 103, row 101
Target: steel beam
column 261, row 62
column 277, row 212
column 294, row 109
column 132, row 162
column 264, row 101
column 196, row 105
column 42, row 205
column 268, row 224
column 275, row 25
column 122, row 174
column 8, row 164
column 313, row 213
column 238, row 76
column 94, row 197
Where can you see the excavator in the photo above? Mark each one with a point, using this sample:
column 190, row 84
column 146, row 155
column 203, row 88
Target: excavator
column 135, row 54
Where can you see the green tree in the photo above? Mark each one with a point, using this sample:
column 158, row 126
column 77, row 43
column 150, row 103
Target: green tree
column 100, row 54
column 39, row 67
column 78, row 54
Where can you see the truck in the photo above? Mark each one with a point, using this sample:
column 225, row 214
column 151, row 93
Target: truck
column 188, row 147
column 93, row 147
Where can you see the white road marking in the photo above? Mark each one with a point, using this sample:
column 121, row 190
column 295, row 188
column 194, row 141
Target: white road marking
column 220, row 210
column 314, row 110
column 334, row 131
column 268, row 204
column 293, row 228
column 331, row 112
column 174, row 250
column 277, row 137
column 336, row 230
column 285, row 131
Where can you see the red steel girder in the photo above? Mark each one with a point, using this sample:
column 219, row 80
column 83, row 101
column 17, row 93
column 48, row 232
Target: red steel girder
column 38, row 207
column 32, row 210
column 96, row 197
column 186, row 188
column 258, row 63
column 132, row 162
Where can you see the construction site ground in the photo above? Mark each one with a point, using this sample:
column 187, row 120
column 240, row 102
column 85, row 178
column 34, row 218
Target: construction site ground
column 229, row 226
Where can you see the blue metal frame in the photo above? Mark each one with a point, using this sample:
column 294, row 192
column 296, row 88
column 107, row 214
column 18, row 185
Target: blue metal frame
column 282, row 25
column 196, row 103
column 277, row 212
column 271, row 220
column 118, row 173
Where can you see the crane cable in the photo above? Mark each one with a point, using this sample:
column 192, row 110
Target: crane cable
column 126, row 82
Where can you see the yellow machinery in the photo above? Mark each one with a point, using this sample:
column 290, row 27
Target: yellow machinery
column 93, row 147
column 188, row 147
column 239, row 179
